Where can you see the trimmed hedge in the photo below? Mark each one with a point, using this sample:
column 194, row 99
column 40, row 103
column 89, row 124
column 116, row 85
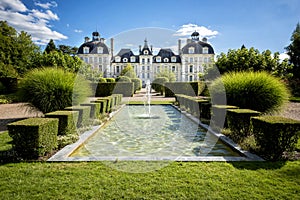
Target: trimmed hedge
column 187, row 88
column 95, row 109
column 123, row 79
column 126, row 89
column 107, row 89
column 33, row 137
column 84, row 114
column 158, row 84
column 275, row 135
column 67, row 121
column 110, row 80
column 219, row 119
column 108, row 103
column 239, row 121
column 137, row 84
column 103, row 105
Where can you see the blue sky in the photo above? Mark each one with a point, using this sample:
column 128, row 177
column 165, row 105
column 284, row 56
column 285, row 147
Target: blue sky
column 228, row 24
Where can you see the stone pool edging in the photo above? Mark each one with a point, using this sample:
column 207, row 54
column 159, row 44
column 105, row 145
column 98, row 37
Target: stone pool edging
column 63, row 154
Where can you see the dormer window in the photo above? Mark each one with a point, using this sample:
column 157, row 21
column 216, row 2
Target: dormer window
column 205, row 50
column 118, row 59
column 173, row 59
column 132, row 59
column 158, row 59
column 146, row 52
column 125, row 60
column 191, row 50
column 166, row 59
column 86, row 50
column 100, row 50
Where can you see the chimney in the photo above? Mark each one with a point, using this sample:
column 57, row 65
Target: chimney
column 151, row 47
column 204, row 39
column 86, row 39
column 179, row 47
column 188, row 40
column 112, row 46
column 140, row 47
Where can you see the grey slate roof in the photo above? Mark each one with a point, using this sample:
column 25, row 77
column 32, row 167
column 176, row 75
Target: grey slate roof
column 198, row 45
column 166, row 53
column 93, row 47
column 126, row 53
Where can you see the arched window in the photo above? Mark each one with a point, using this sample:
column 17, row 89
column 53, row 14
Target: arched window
column 166, row 59
column 125, row 60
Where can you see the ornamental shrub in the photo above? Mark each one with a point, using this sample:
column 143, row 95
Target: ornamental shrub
column 110, row 80
column 187, row 88
column 125, row 79
column 84, row 114
column 258, row 91
column 159, row 83
column 238, row 121
column 67, row 121
column 51, row 89
column 137, row 84
column 33, row 137
column 275, row 135
column 102, row 80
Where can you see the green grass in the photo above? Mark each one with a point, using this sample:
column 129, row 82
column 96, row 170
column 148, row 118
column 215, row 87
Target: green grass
column 294, row 99
column 179, row 180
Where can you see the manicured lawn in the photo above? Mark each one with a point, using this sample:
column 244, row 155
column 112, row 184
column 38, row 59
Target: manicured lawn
column 179, row 180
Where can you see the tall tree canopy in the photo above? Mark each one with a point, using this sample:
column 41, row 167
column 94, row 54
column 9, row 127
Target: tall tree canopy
column 293, row 50
column 252, row 60
column 166, row 73
column 16, row 51
column 50, row 47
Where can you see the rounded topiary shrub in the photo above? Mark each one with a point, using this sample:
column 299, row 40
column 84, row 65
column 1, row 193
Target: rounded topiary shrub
column 51, row 89
column 259, row 91
column 110, row 80
column 124, row 79
column 137, row 84
column 158, row 84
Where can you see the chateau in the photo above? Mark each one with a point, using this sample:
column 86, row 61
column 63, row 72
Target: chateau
column 190, row 61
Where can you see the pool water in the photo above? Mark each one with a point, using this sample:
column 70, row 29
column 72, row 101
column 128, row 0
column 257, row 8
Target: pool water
column 166, row 133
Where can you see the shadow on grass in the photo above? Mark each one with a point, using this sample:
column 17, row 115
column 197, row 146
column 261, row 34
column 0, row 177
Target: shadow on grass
column 268, row 165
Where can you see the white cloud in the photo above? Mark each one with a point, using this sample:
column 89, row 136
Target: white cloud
column 46, row 5
column 188, row 29
column 77, row 31
column 34, row 22
column 48, row 15
column 283, row 56
column 12, row 5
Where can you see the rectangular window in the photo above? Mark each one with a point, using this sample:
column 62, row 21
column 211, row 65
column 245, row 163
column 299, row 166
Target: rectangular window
column 158, row 69
column 173, row 68
column 118, row 69
column 190, row 78
column 191, row 68
column 148, row 68
column 148, row 75
column 148, row 60
column 205, row 50
column 143, row 61
column 191, row 60
column 100, row 60
column 143, row 75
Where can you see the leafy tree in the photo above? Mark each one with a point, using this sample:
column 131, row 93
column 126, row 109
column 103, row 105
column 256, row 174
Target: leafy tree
column 67, row 49
column 293, row 50
column 252, row 60
column 57, row 59
column 16, row 51
column 168, row 74
column 128, row 71
column 50, row 47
